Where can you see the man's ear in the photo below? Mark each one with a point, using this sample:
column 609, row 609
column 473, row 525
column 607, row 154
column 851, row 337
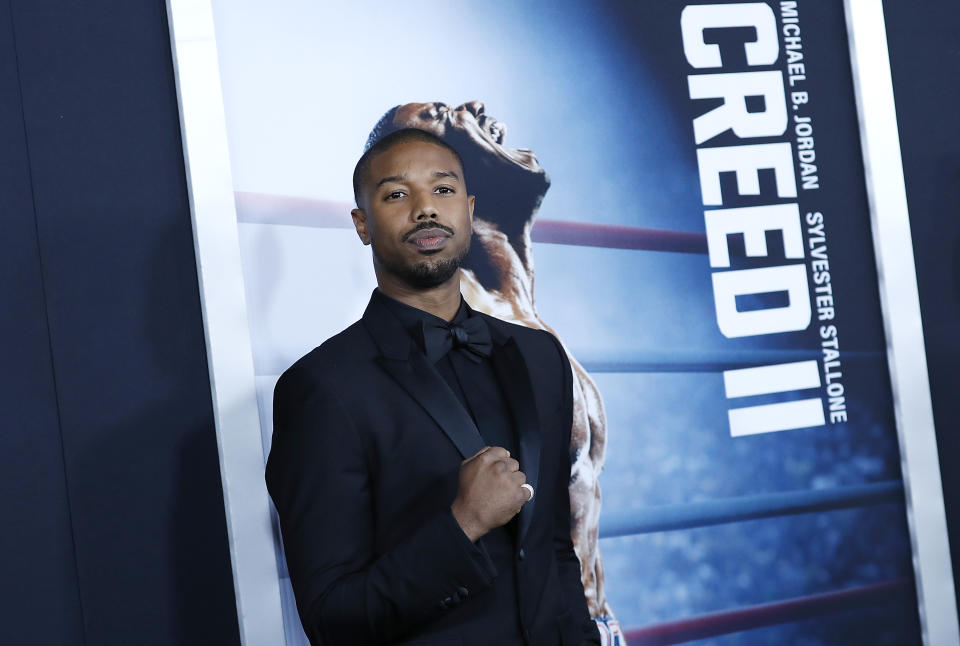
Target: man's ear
column 470, row 201
column 360, row 224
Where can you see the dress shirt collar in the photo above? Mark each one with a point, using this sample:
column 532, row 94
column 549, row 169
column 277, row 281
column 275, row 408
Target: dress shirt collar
column 413, row 318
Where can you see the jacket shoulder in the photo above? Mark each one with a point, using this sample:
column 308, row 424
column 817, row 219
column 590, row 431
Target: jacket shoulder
column 327, row 359
column 535, row 338
column 542, row 350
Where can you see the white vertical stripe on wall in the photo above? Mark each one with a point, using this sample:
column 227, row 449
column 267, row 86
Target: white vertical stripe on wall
column 229, row 354
column 900, row 302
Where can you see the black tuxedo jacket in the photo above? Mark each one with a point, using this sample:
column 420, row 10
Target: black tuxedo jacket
column 367, row 444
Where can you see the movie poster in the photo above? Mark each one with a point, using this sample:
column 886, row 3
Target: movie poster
column 675, row 189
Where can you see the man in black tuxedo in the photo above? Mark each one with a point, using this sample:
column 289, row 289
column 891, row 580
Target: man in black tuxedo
column 420, row 458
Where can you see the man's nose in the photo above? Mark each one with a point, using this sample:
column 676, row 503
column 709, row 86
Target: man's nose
column 475, row 108
column 426, row 210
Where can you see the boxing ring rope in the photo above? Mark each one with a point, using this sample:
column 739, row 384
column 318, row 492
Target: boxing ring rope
column 260, row 208
column 257, row 208
column 769, row 614
column 705, row 360
column 649, row 361
column 728, row 510
column 612, row 236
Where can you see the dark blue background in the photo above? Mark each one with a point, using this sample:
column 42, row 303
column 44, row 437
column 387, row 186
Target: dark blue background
column 925, row 62
column 110, row 498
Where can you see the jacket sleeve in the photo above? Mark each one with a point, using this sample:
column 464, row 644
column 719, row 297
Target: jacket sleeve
column 578, row 628
column 319, row 477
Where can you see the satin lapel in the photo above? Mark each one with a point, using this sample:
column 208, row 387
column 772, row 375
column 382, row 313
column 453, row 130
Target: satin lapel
column 403, row 361
column 428, row 388
column 514, row 380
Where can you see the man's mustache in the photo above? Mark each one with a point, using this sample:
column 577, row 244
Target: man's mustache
column 427, row 225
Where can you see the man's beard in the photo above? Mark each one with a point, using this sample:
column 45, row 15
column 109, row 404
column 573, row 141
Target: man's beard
column 425, row 274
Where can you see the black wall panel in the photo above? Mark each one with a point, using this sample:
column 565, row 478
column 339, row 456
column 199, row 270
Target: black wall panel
column 132, row 441
column 925, row 63
column 39, row 598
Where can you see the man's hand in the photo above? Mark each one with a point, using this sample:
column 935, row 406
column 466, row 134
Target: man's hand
column 490, row 493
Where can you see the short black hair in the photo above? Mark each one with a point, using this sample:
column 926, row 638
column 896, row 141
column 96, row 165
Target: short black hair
column 388, row 141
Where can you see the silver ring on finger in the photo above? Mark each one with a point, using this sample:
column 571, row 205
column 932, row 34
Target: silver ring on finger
column 529, row 488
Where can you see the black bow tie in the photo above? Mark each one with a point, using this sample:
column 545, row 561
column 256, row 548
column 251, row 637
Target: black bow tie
column 471, row 335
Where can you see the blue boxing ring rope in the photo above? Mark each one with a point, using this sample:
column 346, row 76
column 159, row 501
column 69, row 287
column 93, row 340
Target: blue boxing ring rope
column 728, row 510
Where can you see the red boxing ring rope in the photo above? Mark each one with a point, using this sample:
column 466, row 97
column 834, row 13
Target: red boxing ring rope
column 768, row 614
column 258, row 208
column 612, row 236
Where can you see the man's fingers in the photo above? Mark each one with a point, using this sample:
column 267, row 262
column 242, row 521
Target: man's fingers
column 478, row 453
column 506, row 466
column 496, row 453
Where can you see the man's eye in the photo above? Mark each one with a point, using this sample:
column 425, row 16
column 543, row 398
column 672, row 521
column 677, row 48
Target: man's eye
column 394, row 195
column 443, row 190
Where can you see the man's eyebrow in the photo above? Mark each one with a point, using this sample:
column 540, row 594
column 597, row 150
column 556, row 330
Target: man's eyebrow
column 391, row 178
column 446, row 173
column 402, row 177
